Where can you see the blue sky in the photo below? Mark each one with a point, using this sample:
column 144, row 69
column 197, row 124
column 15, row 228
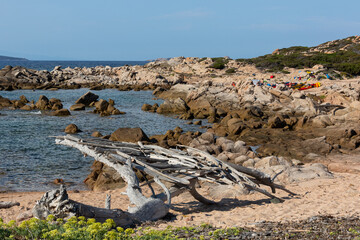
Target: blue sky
column 142, row 30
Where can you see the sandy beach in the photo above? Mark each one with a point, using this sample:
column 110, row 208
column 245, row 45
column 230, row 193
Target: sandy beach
column 338, row 196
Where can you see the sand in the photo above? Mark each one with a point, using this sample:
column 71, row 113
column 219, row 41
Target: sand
column 339, row 196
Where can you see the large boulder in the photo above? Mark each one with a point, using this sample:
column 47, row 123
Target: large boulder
column 173, row 106
column 235, row 126
column 129, row 135
column 43, row 103
column 72, row 128
column 101, row 105
column 103, row 177
column 87, row 98
column 4, row 102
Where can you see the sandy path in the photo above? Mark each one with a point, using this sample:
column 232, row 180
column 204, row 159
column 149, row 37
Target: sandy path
column 339, row 196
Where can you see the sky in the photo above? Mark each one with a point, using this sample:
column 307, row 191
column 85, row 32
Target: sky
column 144, row 29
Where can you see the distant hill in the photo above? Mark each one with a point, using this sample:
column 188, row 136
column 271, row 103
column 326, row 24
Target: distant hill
column 342, row 55
column 6, row 58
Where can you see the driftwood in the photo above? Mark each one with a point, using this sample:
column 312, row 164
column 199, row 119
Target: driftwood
column 8, row 204
column 182, row 168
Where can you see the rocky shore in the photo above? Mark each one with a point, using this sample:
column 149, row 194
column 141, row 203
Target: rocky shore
column 253, row 118
column 278, row 120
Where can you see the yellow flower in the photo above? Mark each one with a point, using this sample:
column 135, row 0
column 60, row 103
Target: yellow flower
column 91, row 221
column 50, row 218
column 129, row 231
column 12, row 223
column 82, row 223
column 59, row 220
column 111, row 222
column 111, row 235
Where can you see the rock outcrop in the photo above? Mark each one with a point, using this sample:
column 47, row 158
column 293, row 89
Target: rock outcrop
column 129, row 135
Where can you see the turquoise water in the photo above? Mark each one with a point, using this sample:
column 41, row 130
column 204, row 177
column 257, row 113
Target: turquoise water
column 30, row 160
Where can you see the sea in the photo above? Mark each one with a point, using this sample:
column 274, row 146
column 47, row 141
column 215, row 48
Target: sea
column 49, row 65
column 29, row 158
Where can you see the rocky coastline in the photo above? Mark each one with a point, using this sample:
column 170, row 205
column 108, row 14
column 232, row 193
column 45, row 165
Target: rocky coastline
column 279, row 121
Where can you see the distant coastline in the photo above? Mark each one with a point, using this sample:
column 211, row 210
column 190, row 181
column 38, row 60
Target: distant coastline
column 49, row 65
column 7, row 58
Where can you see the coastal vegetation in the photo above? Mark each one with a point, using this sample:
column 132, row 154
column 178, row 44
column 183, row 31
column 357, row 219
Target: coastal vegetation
column 340, row 55
column 82, row 228
column 219, row 63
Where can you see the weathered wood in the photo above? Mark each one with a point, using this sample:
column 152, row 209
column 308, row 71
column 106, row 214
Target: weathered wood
column 108, row 201
column 197, row 195
column 145, row 208
column 182, row 168
column 57, row 203
column 8, row 204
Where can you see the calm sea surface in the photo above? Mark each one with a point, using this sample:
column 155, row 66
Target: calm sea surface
column 30, row 160
column 49, row 65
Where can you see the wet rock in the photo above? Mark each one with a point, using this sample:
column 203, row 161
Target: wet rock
column 28, row 107
column 43, row 103
column 61, row 113
column 117, row 112
column 87, row 98
column 146, row 107
column 72, row 128
column 58, row 181
column 23, row 99
column 96, row 134
column 77, row 107
column 101, row 105
column 198, row 122
column 129, row 135
column 4, row 102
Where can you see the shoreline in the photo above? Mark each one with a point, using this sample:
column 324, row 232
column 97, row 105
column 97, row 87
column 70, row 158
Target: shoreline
column 315, row 197
column 293, row 127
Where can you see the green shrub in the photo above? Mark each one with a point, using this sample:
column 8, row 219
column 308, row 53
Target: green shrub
column 300, row 57
column 230, row 70
column 88, row 229
column 219, row 63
